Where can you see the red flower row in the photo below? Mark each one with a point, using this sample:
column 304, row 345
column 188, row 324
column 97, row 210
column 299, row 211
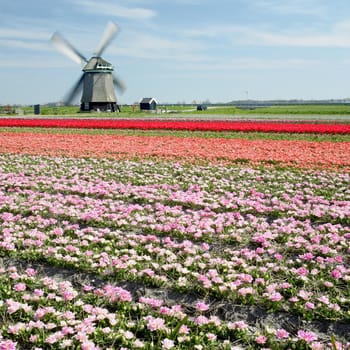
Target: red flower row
column 245, row 126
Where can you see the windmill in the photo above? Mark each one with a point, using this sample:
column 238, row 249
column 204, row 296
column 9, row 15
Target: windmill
column 97, row 81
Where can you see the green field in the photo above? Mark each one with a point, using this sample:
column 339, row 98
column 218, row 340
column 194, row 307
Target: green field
column 182, row 133
column 297, row 112
column 287, row 110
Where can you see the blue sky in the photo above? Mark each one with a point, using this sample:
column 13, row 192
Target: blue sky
column 181, row 50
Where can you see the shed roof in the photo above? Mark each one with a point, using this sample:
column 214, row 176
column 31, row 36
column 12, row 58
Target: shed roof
column 148, row 100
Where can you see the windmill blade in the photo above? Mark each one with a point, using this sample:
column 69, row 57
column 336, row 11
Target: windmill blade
column 73, row 91
column 119, row 84
column 67, row 49
column 107, row 37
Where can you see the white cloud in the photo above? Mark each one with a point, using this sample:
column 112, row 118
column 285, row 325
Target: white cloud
column 32, row 61
column 292, row 7
column 216, row 31
column 161, row 48
column 337, row 36
column 22, row 33
column 249, row 63
column 332, row 40
column 24, row 38
column 112, row 9
column 189, row 2
column 21, row 44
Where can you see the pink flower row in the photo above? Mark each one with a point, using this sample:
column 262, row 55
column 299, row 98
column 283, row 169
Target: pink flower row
column 44, row 312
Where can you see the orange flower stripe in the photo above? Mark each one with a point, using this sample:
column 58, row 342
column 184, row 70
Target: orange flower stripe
column 297, row 153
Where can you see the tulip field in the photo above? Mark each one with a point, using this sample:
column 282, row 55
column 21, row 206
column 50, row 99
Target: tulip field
column 112, row 241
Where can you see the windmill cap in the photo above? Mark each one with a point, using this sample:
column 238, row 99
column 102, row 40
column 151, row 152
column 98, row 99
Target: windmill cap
column 98, row 64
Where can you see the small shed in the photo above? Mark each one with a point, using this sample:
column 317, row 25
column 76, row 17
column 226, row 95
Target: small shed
column 148, row 104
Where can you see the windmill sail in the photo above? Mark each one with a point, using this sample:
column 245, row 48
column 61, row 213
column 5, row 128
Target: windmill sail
column 108, row 36
column 67, row 49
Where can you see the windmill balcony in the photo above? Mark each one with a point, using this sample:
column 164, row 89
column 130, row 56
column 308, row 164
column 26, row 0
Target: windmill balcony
column 104, row 67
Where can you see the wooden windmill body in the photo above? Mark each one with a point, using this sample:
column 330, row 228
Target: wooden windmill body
column 98, row 86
